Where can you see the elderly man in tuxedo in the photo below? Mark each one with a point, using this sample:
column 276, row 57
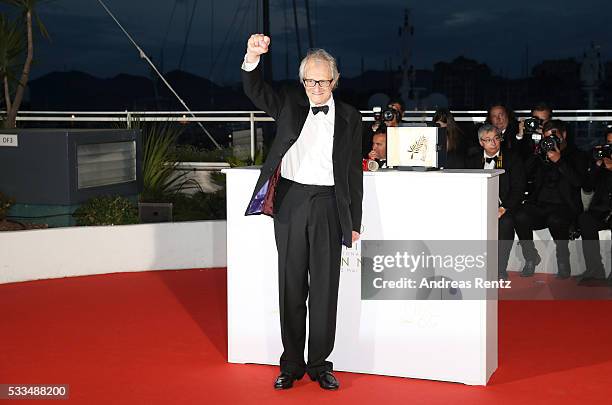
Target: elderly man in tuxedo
column 312, row 184
column 511, row 186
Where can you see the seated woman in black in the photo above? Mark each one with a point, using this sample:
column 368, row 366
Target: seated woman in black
column 455, row 145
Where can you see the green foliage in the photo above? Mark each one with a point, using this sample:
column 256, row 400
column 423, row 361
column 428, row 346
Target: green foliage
column 11, row 48
column 190, row 153
column 30, row 6
column 160, row 180
column 161, row 156
column 108, row 210
column 218, row 179
column 12, row 38
column 259, row 158
column 237, row 162
column 5, row 205
column 199, row 207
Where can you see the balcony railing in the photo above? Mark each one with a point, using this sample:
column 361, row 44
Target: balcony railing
column 588, row 124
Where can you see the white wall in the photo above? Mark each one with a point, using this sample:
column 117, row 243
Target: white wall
column 77, row 251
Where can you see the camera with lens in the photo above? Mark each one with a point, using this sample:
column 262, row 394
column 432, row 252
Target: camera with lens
column 388, row 114
column 548, row 143
column 602, row 151
column 532, row 125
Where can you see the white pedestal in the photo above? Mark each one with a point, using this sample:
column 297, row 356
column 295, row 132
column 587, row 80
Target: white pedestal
column 435, row 340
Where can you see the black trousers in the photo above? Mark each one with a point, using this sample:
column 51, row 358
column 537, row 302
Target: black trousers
column 309, row 243
column 505, row 230
column 591, row 222
column 533, row 216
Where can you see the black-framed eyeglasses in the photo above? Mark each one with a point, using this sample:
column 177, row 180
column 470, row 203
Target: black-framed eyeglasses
column 322, row 83
column 495, row 139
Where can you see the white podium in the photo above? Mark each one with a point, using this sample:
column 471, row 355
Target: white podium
column 435, row 340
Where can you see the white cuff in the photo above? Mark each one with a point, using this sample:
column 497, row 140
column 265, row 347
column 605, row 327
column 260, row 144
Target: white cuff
column 519, row 136
column 249, row 66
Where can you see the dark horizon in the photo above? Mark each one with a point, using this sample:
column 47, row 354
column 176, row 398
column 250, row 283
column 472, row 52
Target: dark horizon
column 462, row 84
column 507, row 37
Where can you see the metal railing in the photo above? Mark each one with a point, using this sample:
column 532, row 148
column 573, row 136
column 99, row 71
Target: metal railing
column 254, row 117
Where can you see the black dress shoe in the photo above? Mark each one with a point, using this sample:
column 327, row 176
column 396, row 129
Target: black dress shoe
column 530, row 266
column 327, row 380
column 285, row 381
column 589, row 275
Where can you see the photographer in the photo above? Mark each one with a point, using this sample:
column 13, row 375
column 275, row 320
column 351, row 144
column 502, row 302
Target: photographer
column 511, row 187
column 599, row 214
column 555, row 202
column 390, row 116
column 378, row 153
column 395, row 109
column 530, row 131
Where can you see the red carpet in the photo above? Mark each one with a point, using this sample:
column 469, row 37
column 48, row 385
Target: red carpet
column 160, row 338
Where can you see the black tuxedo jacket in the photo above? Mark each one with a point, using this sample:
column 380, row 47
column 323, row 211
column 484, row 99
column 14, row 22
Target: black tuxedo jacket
column 510, row 142
column 512, row 182
column 290, row 108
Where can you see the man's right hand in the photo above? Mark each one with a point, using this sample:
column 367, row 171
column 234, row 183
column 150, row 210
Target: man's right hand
column 373, row 155
column 257, row 45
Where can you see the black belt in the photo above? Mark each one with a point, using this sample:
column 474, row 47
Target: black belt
column 305, row 187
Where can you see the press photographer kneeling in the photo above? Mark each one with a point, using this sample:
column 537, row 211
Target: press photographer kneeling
column 599, row 214
column 555, row 201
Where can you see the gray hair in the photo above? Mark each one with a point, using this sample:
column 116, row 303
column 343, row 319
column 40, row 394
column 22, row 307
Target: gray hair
column 486, row 128
column 323, row 56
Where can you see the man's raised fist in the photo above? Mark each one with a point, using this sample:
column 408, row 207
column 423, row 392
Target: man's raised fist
column 257, row 45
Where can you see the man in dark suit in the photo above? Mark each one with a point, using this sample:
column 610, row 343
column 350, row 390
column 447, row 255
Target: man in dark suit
column 502, row 118
column 511, row 187
column 555, row 201
column 598, row 216
column 379, row 148
column 312, row 184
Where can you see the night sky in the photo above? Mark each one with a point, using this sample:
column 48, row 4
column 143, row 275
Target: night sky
column 85, row 38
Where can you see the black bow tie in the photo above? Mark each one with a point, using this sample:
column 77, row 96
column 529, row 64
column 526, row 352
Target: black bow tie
column 324, row 108
column 489, row 160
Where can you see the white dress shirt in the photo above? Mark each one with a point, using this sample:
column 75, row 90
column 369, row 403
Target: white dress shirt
column 309, row 159
column 490, row 165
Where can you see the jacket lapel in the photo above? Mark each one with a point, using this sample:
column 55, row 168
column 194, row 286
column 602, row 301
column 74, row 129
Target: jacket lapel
column 340, row 133
column 301, row 115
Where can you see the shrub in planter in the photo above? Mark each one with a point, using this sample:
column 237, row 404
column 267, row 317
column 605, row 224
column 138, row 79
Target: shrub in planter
column 200, row 206
column 190, row 153
column 159, row 162
column 108, row 210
